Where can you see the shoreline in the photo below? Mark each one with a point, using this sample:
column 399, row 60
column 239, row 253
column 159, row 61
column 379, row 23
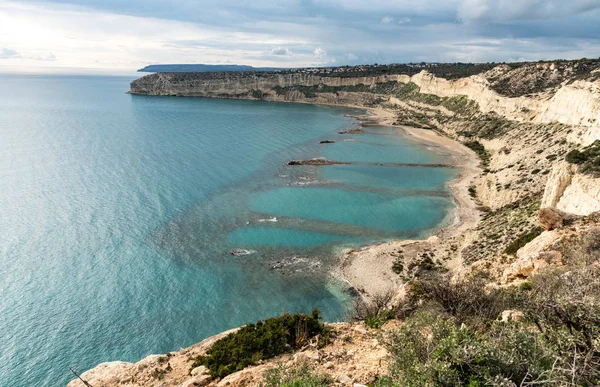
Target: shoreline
column 369, row 269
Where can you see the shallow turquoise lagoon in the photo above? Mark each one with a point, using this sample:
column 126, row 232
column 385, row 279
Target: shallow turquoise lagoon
column 403, row 178
column 364, row 209
column 274, row 236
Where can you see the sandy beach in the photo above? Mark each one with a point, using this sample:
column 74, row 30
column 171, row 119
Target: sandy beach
column 369, row 269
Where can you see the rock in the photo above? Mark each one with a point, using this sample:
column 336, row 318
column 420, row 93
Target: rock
column 111, row 373
column 241, row 252
column 315, row 161
column 551, row 218
column 202, row 370
column 531, row 263
column 351, row 131
column 197, row 381
column 311, row 355
column 344, row 379
column 352, row 291
column 359, row 385
column 326, row 142
column 512, row 315
column 360, row 330
column 278, row 265
column 329, row 365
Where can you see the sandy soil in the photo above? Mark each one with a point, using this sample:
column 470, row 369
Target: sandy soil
column 369, row 269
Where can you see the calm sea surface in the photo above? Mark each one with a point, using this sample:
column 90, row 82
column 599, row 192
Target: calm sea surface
column 118, row 215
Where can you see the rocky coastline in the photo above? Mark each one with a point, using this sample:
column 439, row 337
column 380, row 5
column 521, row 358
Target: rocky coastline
column 509, row 131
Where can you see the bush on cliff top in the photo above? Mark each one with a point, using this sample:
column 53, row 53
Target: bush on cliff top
column 260, row 341
column 588, row 159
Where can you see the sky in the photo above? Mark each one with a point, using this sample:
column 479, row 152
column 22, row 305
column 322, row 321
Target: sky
column 124, row 35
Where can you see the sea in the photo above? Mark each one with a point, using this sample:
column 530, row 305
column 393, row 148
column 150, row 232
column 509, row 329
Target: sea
column 135, row 225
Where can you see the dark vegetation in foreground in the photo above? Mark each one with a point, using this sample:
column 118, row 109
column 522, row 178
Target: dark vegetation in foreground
column 263, row 340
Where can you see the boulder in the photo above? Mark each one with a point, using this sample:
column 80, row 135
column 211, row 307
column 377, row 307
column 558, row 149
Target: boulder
column 197, row 381
column 551, row 218
column 202, row 370
column 310, row 355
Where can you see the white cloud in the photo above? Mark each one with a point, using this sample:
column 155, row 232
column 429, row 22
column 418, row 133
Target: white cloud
column 387, row 20
column 319, row 53
column 281, row 51
column 404, row 20
column 85, row 38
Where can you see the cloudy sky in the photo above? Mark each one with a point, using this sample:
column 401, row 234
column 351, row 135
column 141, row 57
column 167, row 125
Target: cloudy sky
column 122, row 35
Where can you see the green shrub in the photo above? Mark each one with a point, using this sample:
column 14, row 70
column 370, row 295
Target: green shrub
column 467, row 301
column 258, row 94
column 439, row 353
column 588, row 159
column 374, row 312
column 525, row 286
column 302, row 376
column 522, row 240
column 263, row 340
column 398, row 266
column 479, row 149
column 575, row 157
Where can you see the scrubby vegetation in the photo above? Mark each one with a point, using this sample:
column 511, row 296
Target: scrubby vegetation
column 522, row 240
column 374, row 313
column 260, row 341
column 453, row 335
column 587, row 159
column 302, row 376
column 498, row 229
column 479, row 149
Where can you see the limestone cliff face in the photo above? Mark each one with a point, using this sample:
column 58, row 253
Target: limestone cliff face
column 576, row 103
column 571, row 192
column 237, row 84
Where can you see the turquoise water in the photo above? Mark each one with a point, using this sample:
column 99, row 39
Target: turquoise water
column 119, row 213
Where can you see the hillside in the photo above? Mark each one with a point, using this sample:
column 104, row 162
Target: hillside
column 510, row 295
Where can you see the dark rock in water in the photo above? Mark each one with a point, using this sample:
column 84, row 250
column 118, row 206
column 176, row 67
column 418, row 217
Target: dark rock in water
column 326, row 142
column 277, row 265
column 351, row 131
column 317, row 161
column 352, row 291
column 241, row 252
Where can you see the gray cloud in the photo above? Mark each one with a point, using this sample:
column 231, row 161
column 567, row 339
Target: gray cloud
column 507, row 10
column 322, row 32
